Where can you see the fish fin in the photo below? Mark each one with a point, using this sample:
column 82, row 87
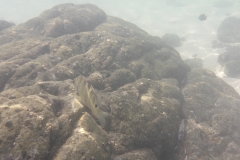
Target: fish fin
column 102, row 118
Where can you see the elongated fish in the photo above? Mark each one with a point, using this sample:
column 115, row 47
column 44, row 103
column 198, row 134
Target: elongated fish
column 89, row 98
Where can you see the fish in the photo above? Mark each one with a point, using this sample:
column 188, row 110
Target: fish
column 202, row 17
column 88, row 97
column 181, row 133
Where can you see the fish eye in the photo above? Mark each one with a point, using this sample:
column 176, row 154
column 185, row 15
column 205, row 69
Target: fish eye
column 95, row 105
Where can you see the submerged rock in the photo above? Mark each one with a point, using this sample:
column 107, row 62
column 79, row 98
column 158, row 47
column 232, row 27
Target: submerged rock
column 138, row 78
column 120, row 77
column 139, row 115
column 194, row 63
column 88, row 141
column 172, row 39
column 212, row 111
column 228, row 31
column 230, row 61
column 41, row 119
column 60, row 20
column 142, row 154
column 5, row 24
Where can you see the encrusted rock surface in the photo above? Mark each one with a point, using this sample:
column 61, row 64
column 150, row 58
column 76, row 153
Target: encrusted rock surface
column 88, row 141
column 142, row 154
column 145, row 114
column 212, row 110
column 137, row 74
column 36, row 120
column 140, row 80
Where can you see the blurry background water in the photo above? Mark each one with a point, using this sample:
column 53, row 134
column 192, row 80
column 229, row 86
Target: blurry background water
column 157, row 17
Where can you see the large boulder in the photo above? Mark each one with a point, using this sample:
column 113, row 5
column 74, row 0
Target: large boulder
column 60, row 20
column 229, row 30
column 36, row 120
column 5, row 24
column 212, row 111
column 39, row 120
column 88, row 141
column 230, row 61
column 140, row 111
column 119, row 50
column 138, row 75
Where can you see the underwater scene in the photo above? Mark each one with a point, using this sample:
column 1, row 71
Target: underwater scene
column 120, row 80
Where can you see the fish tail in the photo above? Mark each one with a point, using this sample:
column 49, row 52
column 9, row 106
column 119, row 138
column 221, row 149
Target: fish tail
column 102, row 118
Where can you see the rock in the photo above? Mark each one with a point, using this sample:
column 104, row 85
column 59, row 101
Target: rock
column 137, row 77
column 228, row 31
column 234, row 82
column 5, row 24
column 138, row 116
column 65, row 57
column 121, row 143
column 232, row 69
column 141, row 154
column 230, row 61
column 120, row 77
column 212, row 112
column 36, row 121
column 172, row 39
column 96, row 79
column 70, row 18
column 194, row 63
column 36, row 23
column 60, row 20
column 88, row 141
